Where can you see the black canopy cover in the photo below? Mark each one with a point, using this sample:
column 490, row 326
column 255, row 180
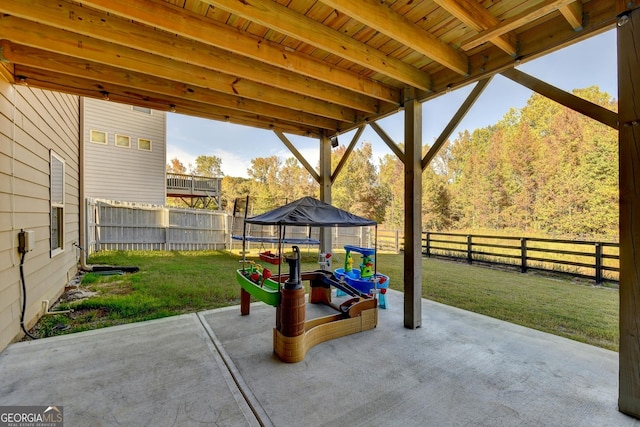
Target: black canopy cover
column 311, row 212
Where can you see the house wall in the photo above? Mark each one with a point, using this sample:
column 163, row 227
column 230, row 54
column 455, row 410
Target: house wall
column 33, row 122
column 119, row 173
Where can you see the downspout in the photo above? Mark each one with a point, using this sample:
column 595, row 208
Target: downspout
column 82, row 202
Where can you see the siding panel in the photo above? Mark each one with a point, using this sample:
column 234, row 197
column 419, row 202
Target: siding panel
column 33, row 122
column 124, row 174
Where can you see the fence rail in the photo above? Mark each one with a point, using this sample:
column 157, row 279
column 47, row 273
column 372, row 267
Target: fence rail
column 390, row 240
column 589, row 259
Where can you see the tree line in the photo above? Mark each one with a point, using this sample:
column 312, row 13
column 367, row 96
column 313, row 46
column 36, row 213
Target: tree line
column 541, row 169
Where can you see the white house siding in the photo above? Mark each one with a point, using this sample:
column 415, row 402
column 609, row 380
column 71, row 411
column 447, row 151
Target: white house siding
column 124, row 174
column 33, row 122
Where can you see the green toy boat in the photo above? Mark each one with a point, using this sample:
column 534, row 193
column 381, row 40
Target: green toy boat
column 266, row 291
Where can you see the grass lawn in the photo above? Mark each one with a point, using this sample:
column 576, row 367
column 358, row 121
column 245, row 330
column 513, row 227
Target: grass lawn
column 171, row 283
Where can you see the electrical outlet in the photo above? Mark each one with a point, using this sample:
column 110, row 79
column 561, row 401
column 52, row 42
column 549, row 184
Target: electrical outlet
column 26, row 241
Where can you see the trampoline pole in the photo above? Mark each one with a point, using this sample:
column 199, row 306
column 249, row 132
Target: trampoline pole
column 279, row 253
column 244, row 242
column 375, row 257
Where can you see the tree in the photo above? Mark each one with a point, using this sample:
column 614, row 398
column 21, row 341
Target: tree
column 265, row 193
column 295, row 181
column 234, row 188
column 357, row 188
column 541, row 168
column 209, row 166
column 176, row 166
column 391, row 173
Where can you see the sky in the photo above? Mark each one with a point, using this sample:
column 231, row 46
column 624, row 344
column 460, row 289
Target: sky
column 592, row 62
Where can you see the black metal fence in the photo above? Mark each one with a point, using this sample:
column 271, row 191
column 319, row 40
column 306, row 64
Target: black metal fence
column 588, row 259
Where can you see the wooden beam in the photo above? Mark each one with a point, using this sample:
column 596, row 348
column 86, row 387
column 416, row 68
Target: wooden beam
column 347, row 153
column 582, row 106
column 89, row 88
column 387, row 140
column 629, row 158
column 297, row 155
column 326, row 238
column 85, row 48
column 510, row 24
column 177, row 20
column 573, row 14
column 477, row 17
column 412, row 211
column 455, row 120
column 126, row 33
column 380, row 17
column 6, row 71
column 567, row 99
column 167, row 86
column 287, row 21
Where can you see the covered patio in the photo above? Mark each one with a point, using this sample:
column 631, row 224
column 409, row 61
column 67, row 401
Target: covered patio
column 218, row 368
column 320, row 69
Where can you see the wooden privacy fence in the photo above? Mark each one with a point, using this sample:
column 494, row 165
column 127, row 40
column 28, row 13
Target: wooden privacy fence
column 131, row 226
column 589, row 259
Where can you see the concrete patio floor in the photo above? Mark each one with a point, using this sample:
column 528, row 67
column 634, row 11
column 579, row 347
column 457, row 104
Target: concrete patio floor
column 218, row 368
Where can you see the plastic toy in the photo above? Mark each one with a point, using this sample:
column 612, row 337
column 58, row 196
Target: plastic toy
column 364, row 279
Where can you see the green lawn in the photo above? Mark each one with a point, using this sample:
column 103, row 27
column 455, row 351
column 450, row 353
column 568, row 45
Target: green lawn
column 172, row 283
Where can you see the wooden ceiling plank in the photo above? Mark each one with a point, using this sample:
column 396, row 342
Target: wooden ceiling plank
column 477, row 17
column 573, row 14
column 82, row 47
column 515, row 22
column 213, row 33
column 569, row 100
column 380, row 17
column 286, row 21
column 52, row 80
column 139, row 81
column 128, row 34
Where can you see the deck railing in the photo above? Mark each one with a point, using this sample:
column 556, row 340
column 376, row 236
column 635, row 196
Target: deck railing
column 193, row 184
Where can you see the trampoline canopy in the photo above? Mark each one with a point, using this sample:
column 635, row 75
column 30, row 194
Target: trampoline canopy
column 310, row 212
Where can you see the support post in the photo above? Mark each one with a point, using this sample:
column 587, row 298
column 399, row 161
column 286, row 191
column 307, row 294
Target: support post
column 427, row 245
column 325, row 189
column 413, row 211
column 598, row 256
column 629, row 157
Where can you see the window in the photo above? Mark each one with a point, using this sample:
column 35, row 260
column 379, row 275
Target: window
column 144, row 144
column 123, row 141
column 98, row 137
column 144, row 110
column 57, row 167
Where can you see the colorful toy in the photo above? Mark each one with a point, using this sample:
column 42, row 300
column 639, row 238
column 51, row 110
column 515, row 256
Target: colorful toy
column 364, row 279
